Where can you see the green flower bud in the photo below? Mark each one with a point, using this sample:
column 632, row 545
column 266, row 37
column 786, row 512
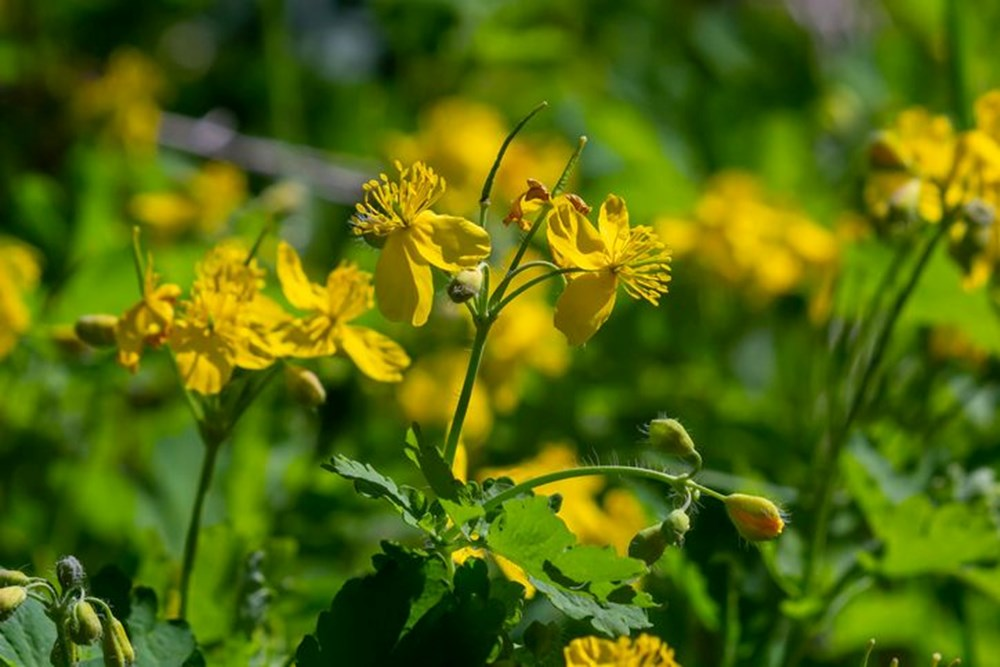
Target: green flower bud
column 304, row 386
column 70, row 572
column 11, row 597
column 465, row 285
column 756, row 519
column 96, row 330
column 13, row 578
column 64, row 653
column 648, row 545
column 118, row 651
column 84, row 624
column 677, row 522
column 668, row 436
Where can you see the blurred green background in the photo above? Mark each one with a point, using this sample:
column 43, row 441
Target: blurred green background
column 177, row 115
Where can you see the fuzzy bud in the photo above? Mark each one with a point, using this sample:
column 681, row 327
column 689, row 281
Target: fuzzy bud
column 13, row 578
column 118, row 651
column 96, row 330
column 757, row 519
column 70, row 572
column 11, row 597
column 304, row 386
column 648, row 545
column 84, row 624
column 668, row 436
column 465, row 285
column 677, row 522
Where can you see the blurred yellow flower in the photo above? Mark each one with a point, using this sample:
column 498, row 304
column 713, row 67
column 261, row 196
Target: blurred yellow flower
column 203, row 204
column 430, row 390
column 610, row 253
column 125, row 99
column 346, row 295
column 643, row 651
column 764, row 247
column 227, row 323
column 398, row 215
column 461, row 138
column 148, row 322
column 19, row 274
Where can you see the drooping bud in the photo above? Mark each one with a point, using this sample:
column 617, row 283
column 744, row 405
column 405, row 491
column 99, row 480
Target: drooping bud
column 96, row 330
column 757, row 519
column 84, row 624
column 70, row 572
column 678, row 523
column 11, row 597
column 118, row 651
column 13, row 578
column 668, row 436
column 465, row 285
column 648, row 544
column 304, row 386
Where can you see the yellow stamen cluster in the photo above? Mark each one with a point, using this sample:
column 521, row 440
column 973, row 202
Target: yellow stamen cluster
column 643, row 265
column 390, row 205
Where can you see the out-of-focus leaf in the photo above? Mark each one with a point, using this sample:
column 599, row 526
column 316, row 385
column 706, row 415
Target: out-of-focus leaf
column 27, row 636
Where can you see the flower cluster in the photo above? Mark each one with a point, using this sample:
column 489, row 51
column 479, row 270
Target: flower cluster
column 765, row 247
column 227, row 323
column 19, row 274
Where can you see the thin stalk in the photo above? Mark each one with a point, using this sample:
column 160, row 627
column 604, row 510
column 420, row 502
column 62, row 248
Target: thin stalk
column 484, row 197
column 531, row 283
column 462, row 407
column 956, row 62
column 260, row 239
column 194, row 525
column 140, row 270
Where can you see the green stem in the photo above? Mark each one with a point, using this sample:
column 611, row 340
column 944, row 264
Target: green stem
column 140, row 270
column 598, row 470
column 531, row 283
column 260, row 239
column 475, row 358
column 484, row 198
column 956, row 62
column 212, row 448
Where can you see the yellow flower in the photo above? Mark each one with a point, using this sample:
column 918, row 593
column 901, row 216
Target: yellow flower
column 19, row 273
column 204, row 203
column 347, row 295
column 643, row 651
column 226, row 324
column 415, row 239
column 611, row 253
column 148, row 322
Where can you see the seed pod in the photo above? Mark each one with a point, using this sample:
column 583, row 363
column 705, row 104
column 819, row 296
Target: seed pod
column 96, row 330
column 13, row 578
column 118, row 651
column 84, row 624
column 668, row 436
column 304, row 386
column 70, row 572
column 11, row 597
column 756, row 519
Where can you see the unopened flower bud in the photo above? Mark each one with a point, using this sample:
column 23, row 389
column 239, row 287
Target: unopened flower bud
column 11, row 597
column 96, row 330
column 465, row 285
column 678, row 522
column 304, row 386
column 70, row 572
column 84, row 624
column 118, row 651
column 13, row 578
column 668, row 436
column 648, row 545
column 283, row 199
column 555, row 502
column 756, row 519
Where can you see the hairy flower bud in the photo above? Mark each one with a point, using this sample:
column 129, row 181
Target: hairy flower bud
column 11, row 597
column 84, row 624
column 648, row 544
column 668, row 436
column 13, row 578
column 118, row 651
column 465, row 285
column 70, row 572
column 756, row 519
column 96, row 330
column 677, row 522
column 304, row 386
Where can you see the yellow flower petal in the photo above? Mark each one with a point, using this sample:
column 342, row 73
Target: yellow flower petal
column 202, row 359
column 449, row 242
column 308, row 337
column 585, row 305
column 296, row 286
column 573, row 240
column 378, row 357
column 403, row 284
column 613, row 224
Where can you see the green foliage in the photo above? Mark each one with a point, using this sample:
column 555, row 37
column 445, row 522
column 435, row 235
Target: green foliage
column 27, row 637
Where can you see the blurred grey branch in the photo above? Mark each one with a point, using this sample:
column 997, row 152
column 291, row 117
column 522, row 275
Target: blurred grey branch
column 335, row 178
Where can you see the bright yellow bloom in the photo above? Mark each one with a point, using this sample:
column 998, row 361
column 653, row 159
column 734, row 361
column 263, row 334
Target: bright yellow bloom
column 346, row 295
column 415, row 239
column 19, row 273
column 611, row 253
column 148, row 322
column 643, row 651
column 204, row 202
column 226, row 324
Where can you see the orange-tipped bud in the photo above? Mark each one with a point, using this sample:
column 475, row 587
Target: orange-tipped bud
column 757, row 519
